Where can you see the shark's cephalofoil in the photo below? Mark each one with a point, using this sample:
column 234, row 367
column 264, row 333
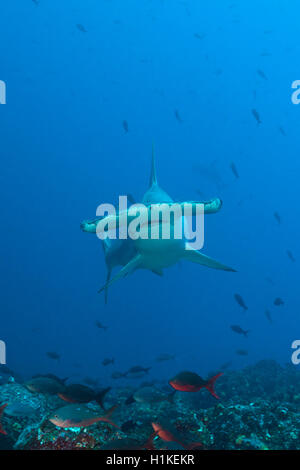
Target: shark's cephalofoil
column 161, row 221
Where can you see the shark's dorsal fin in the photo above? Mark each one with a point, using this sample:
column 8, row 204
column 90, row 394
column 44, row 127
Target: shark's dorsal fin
column 153, row 179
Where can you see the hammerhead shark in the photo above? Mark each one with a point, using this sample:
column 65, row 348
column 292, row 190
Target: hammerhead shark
column 151, row 254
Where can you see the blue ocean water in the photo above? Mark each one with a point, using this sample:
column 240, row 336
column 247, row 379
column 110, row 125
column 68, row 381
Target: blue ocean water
column 187, row 76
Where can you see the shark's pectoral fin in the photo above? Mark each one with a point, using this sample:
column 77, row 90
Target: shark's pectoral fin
column 127, row 269
column 196, row 257
column 209, row 207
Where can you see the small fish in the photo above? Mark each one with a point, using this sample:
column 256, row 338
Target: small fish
column 278, row 301
column 268, row 315
column 290, row 255
column 118, row 375
column 177, row 116
column 234, row 170
column 266, row 54
column 237, row 329
column 256, row 116
column 239, row 299
column 149, row 395
column 79, row 416
column 191, row 382
column 242, row 352
column 2, row 408
column 262, row 74
column 282, row 131
column 165, row 357
column 199, row 36
column 108, row 361
column 19, row 410
column 36, row 2
column 125, row 126
column 277, row 217
column 81, row 28
column 137, row 372
column 44, row 385
column 270, row 281
column 78, row 393
column 53, row 355
column 100, row 326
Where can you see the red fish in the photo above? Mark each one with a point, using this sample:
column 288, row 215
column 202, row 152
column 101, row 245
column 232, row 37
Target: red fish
column 191, row 382
column 2, row 408
column 168, row 436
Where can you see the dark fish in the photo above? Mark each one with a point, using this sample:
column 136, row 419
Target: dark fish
column 239, row 330
column 199, row 36
column 100, row 326
column 2, row 408
column 242, row 352
column 270, row 281
column 177, row 115
column 165, row 357
column 268, row 316
column 290, row 255
column 125, row 126
column 36, row 2
column 240, row 301
column 108, row 361
column 277, row 217
column 278, row 301
column 78, row 416
column 282, row 131
column 44, row 385
column 150, row 395
column 137, row 372
column 266, row 54
column 262, row 74
column 19, row 410
column 256, row 116
column 234, row 170
column 53, row 355
column 77, row 393
column 118, row 375
column 191, row 382
column 81, row 28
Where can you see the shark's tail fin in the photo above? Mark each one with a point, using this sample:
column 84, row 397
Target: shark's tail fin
column 153, row 179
